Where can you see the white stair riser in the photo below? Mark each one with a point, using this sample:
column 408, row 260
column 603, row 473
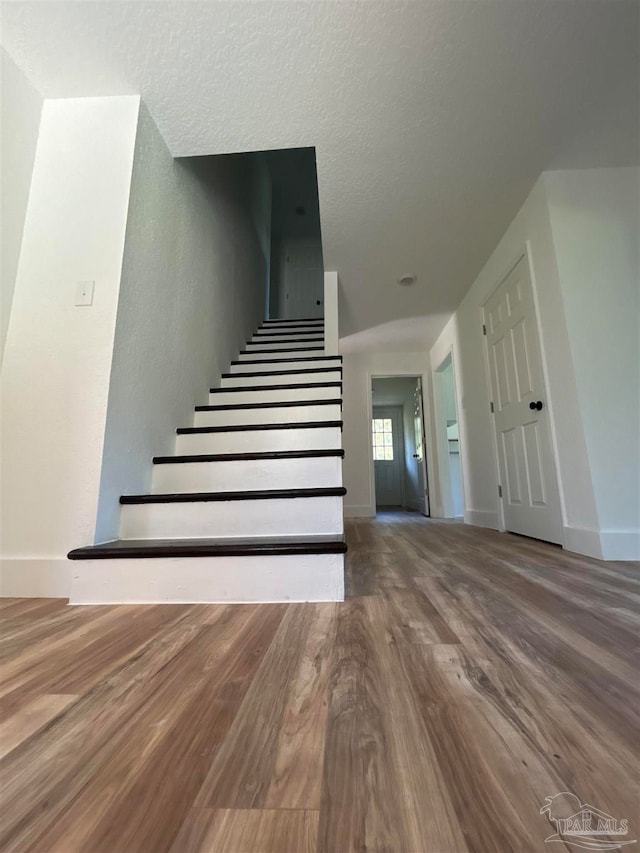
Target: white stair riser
column 251, row 474
column 267, row 364
column 271, row 354
column 290, row 414
column 317, row 328
column 228, row 519
column 288, row 379
column 282, row 338
column 194, row 580
column 278, row 345
column 256, row 441
column 282, row 395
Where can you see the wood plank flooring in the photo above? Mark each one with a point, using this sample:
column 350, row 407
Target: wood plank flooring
column 468, row 676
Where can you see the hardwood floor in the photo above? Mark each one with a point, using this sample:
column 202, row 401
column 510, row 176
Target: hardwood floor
column 468, row 676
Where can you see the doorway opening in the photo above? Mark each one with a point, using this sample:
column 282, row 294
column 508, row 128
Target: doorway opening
column 398, row 444
column 452, row 490
column 297, row 267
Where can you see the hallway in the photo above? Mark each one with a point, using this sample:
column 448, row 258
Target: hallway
column 468, row 676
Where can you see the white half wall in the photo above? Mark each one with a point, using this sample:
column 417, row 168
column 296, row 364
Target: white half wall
column 193, row 291
column 55, row 376
column 19, row 126
column 331, row 329
column 596, row 229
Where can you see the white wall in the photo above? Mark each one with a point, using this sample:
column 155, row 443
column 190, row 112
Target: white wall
column 192, row 292
column 596, row 230
column 558, row 290
column 19, row 126
column 358, row 369
column 55, row 375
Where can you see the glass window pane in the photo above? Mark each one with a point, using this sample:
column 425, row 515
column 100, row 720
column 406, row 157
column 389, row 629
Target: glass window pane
column 388, row 453
column 387, row 424
column 378, row 424
column 378, row 453
column 388, row 440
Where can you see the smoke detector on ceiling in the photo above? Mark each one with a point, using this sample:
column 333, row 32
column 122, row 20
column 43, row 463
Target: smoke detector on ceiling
column 408, row 279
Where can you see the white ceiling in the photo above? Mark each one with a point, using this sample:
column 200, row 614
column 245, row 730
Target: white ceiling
column 394, row 391
column 431, row 120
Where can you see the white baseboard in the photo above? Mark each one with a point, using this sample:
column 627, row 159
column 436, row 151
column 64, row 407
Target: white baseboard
column 603, row 544
column 583, row 541
column 35, row 578
column 482, row 518
column 354, row 511
column 620, row 544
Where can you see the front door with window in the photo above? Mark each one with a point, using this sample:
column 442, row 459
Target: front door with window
column 386, row 431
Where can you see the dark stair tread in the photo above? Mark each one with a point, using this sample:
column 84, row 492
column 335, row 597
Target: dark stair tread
column 209, row 547
column 288, row 404
column 296, row 320
column 317, row 339
column 258, row 427
column 247, row 495
column 302, row 370
column 292, row 349
column 242, row 457
column 287, row 360
column 275, row 332
column 276, row 387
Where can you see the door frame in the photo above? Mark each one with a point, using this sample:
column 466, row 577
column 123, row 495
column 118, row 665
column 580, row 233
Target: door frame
column 427, row 427
column 525, row 252
column 442, row 439
column 401, row 450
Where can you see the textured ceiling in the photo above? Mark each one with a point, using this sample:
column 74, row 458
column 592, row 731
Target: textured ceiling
column 431, row 120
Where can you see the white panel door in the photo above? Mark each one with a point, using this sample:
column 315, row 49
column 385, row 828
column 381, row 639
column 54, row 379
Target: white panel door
column 527, row 470
column 388, row 464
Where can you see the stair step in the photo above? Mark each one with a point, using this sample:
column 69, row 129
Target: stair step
column 319, row 320
column 299, row 371
column 269, row 364
column 284, row 346
column 256, row 378
column 281, row 349
column 287, row 332
column 255, row 546
column 257, row 495
column 277, row 355
column 275, row 393
column 308, row 338
column 314, row 435
column 285, row 360
column 265, row 413
column 270, row 335
column 302, row 371
column 221, row 472
column 257, row 427
column 273, row 512
column 208, row 579
column 226, row 407
column 232, row 457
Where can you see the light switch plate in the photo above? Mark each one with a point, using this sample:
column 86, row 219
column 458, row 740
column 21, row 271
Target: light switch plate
column 84, row 292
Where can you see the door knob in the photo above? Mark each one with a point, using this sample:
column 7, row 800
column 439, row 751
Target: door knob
column 536, row 406
column 318, row 302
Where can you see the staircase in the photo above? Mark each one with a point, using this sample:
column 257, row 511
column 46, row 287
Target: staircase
column 250, row 506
